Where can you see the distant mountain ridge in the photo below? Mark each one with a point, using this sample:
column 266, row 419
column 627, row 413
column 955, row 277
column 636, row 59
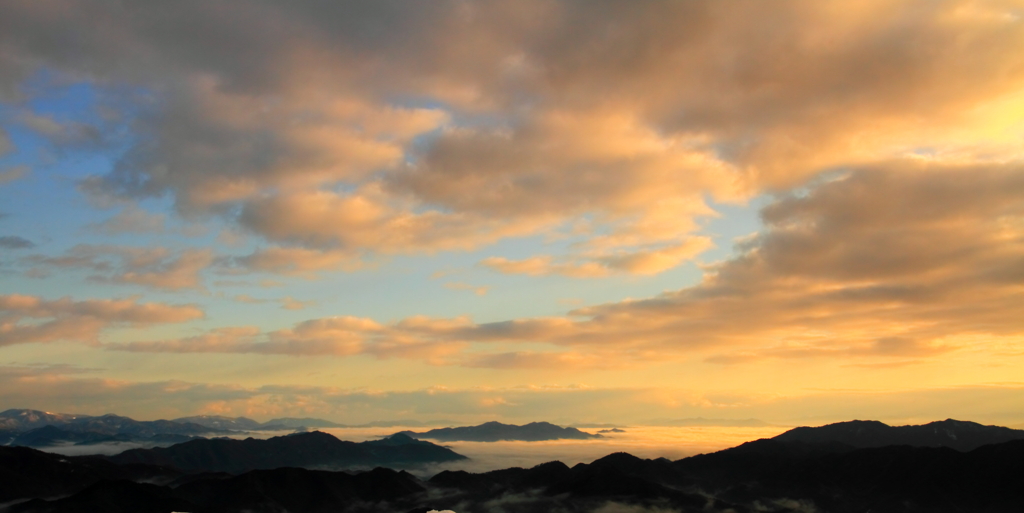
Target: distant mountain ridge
column 701, row 421
column 309, row 450
column 219, row 422
column 20, row 420
column 764, row 476
column 17, row 420
column 49, row 436
column 955, row 434
column 496, row 431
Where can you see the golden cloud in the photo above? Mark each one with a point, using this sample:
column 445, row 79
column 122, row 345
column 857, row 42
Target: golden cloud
column 877, row 263
column 453, row 124
column 25, row 319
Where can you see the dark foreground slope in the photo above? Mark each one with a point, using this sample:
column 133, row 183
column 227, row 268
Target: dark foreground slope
column 839, row 478
column 287, row 489
column 313, row 449
column 763, row 476
column 496, row 431
column 26, row 472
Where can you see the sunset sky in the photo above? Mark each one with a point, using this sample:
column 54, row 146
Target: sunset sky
column 516, row 210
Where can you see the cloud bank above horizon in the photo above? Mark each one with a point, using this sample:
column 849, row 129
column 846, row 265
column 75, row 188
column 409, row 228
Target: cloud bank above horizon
column 675, row 199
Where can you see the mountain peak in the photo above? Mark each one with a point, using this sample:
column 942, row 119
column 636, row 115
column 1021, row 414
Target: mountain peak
column 496, row 431
column 955, row 434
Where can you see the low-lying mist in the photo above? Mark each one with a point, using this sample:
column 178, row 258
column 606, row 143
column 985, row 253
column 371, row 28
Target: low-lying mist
column 643, row 441
column 105, row 449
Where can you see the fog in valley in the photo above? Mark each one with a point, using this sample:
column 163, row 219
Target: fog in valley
column 643, row 441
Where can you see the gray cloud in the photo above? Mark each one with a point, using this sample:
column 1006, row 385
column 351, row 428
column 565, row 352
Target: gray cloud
column 10, row 174
column 156, row 267
column 15, row 242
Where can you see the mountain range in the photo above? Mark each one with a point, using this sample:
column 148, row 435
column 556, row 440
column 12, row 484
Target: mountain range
column 34, row 428
column 496, row 431
column 701, row 421
column 956, row 434
column 309, row 450
column 26, row 420
column 786, row 474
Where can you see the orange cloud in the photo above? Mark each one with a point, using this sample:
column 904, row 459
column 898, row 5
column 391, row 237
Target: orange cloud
column 25, row 319
column 879, row 263
column 641, row 261
column 454, row 125
column 158, row 267
column 458, row 285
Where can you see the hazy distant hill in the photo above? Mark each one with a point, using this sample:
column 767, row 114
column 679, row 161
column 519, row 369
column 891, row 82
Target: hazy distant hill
column 313, row 449
column 496, row 431
column 109, row 424
column 292, row 422
column 50, row 436
column 956, row 434
column 701, row 421
column 24, row 420
column 219, row 422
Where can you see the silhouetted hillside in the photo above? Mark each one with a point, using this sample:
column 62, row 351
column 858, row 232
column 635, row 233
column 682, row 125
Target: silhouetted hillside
column 956, row 434
column 314, row 449
column 26, row 472
column 771, row 475
column 496, row 431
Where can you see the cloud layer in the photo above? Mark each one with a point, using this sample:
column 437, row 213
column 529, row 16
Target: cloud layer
column 548, row 139
column 25, row 319
column 451, row 125
column 893, row 261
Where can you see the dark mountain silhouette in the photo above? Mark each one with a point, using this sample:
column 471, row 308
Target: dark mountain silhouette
column 49, row 436
column 293, row 490
column 221, row 423
column 612, row 430
column 496, row 431
column 770, row 475
column 839, row 478
column 28, row 473
column 701, row 421
column 120, row 496
column 297, row 490
column 956, row 434
column 313, row 449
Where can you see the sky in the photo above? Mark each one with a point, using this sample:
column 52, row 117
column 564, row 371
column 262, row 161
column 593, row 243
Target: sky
column 516, row 210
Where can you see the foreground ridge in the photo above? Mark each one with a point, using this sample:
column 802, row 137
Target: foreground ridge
column 770, row 475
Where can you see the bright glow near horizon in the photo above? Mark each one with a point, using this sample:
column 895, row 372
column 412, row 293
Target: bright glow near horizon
column 516, row 210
